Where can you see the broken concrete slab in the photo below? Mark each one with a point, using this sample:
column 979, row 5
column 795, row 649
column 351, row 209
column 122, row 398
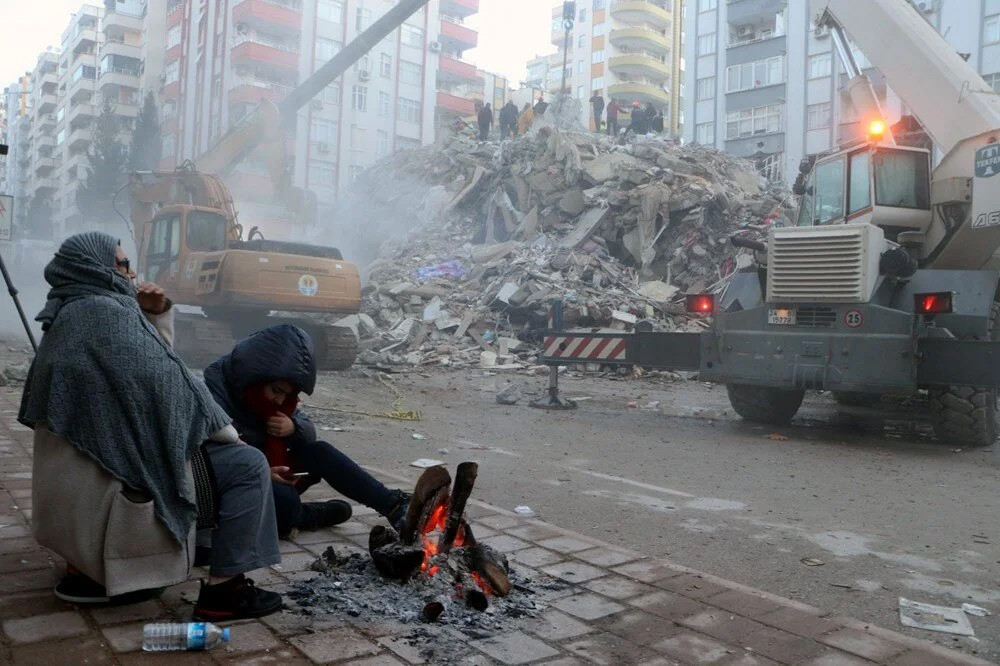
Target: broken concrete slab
column 585, row 227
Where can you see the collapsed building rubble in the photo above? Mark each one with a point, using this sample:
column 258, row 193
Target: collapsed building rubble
column 496, row 231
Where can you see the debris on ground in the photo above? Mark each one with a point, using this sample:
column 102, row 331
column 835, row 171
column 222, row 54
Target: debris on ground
column 424, row 463
column 978, row 611
column 498, row 231
column 934, row 618
column 509, row 395
column 812, row 562
column 524, row 511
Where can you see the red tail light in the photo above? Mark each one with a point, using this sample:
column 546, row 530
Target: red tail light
column 700, row 303
column 935, row 303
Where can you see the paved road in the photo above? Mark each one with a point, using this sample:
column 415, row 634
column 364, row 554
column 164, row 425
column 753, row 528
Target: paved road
column 888, row 511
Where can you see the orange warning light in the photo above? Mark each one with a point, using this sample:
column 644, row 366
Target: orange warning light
column 876, row 129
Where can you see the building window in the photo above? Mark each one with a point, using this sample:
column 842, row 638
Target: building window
column 412, row 36
column 598, row 5
column 60, row 136
column 360, row 98
column 322, row 130
column 384, row 104
column 411, row 72
column 330, row 10
column 598, row 56
column 357, row 138
column 167, row 145
column 363, row 64
column 752, row 75
column 993, row 80
column 599, row 29
column 818, row 116
column 331, row 94
column 707, row 5
column 171, row 73
column 597, row 84
column 706, row 44
column 326, row 48
column 363, row 19
column 704, row 133
column 706, row 88
column 751, row 122
column 581, row 66
column 819, row 65
column 409, row 110
column 174, row 36
column 322, row 172
column 991, row 29
column 382, row 143
column 583, row 15
column 581, row 41
column 385, row 65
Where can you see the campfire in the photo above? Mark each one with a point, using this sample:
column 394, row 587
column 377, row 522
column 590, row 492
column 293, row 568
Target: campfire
column 436, row 540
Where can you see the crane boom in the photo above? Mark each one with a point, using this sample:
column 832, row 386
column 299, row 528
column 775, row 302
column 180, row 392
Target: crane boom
column 950, row 98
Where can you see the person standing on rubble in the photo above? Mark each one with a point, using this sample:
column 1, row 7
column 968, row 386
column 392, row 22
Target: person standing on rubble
column 508, row 120
column 613, row 109
column 258, row 384
column 597, row 103
column 485, row 122
column 640, row 120
column 525, row 119
column 540, row 106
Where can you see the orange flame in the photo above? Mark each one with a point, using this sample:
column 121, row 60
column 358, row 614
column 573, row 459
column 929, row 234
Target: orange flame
column 432, row 530
column 483, row 585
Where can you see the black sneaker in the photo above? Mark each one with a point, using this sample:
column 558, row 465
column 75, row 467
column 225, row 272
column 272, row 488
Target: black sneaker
column 317, row 515
column 236, row 599
column 397, row 514
column 77, row 588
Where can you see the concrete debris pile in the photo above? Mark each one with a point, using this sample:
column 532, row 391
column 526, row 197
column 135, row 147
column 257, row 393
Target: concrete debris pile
column 497, row 231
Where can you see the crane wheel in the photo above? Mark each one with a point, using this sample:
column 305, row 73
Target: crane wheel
column 966, row 415
column 762, row 404
column 340, row 350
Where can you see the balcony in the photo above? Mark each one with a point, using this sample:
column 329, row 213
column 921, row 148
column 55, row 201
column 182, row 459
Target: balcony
column 74, row 161
column 126, row 109
column 456, row 37
column 254, row 91
column 269, row 15
column 454, row 71
column 743, row 12
column 46, row 104
column 171, row 90
column 81, row 90
column 81, row 114
column 454, row 105
column 120, row 77
column 49, row 81
column 120, row 48
column 460, row 8
column 638, row 39
column 641, row 11
column 44, row 165
column 640, row 64
column 638, row 91
column 257, row 51
column 175, row 13
column 79, row 138
column 45, row 142
column 117, row 22
column 84, row 41
column 43, row 185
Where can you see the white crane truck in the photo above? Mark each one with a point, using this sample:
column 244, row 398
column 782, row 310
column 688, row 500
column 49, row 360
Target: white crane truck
column 888, row 283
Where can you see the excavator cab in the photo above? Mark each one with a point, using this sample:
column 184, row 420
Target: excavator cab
column 888, row 186
column 173, row 234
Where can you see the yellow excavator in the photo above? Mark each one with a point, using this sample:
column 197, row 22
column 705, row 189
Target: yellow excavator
column 190, row 241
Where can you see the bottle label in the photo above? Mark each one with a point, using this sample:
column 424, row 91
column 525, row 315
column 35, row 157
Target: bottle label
column 196, row 636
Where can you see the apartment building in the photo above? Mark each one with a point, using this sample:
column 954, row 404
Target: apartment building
column 628, row 50
column 766, row 84
column 17, row 135
column 224, row 58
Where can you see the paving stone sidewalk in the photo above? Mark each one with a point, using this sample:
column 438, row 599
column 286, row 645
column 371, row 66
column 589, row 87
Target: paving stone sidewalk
column 621, row 607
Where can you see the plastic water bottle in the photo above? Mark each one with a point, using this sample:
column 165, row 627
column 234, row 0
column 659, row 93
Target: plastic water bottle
column 166, row 636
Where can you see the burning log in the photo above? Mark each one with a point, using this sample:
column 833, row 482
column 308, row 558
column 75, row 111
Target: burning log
column 492, row 566
column 465, row 479
column 427, row 491
column 393, row 559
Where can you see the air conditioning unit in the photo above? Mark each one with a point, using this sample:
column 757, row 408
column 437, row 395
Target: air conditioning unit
column 316, row 105
column 363, row 75
column 821, row 31
column 322, row 147
column 435, row 47
column 745, row 32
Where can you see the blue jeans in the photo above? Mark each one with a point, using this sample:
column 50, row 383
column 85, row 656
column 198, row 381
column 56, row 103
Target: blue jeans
column 325, row 462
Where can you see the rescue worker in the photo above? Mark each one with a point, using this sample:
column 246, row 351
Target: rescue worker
column 614, row 108
column 525, row 119
column 485, row 122
column 597, row 104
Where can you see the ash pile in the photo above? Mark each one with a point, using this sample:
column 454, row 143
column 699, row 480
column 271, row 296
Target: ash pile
column 494, row 232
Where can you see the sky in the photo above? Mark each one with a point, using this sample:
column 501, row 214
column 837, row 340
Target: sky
column 511, row 32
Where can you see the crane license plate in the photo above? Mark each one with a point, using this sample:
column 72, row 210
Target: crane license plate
column 781, row 316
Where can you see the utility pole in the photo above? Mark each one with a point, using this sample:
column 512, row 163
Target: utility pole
column 569, row 16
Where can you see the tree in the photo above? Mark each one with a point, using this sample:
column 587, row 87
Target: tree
column 144, row 153
column 106, row 170
column 38, row 219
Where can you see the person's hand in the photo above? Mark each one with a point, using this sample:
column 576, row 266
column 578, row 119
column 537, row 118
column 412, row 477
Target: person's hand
column 279, row 475
column 280, row 426
column 152, row 298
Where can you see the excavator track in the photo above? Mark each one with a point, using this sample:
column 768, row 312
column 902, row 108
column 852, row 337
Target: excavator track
column 199, row 340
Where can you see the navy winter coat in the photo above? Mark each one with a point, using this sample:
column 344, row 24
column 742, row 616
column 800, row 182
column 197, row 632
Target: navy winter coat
column 279, row 353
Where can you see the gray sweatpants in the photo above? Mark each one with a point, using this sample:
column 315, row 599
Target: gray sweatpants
column 247, row 535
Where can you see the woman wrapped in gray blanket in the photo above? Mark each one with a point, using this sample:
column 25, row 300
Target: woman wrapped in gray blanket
column 131, row 454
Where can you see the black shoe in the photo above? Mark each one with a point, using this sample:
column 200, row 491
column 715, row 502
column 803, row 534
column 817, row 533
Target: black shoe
column 202, row 556
column 77, row 588
column 397, row 514
column 236, row 599
column 317, row 515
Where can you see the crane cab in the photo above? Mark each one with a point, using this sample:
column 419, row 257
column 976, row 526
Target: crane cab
column 888, row 186
column 173, row 235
